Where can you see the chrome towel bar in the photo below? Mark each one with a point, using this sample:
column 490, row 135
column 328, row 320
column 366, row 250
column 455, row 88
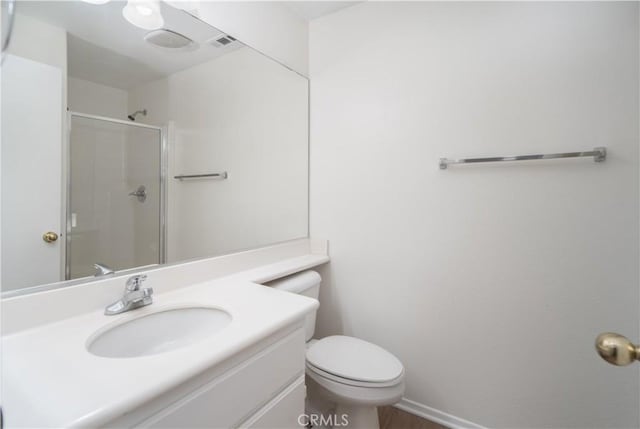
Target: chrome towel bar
column 599, row 154
column 222, row 176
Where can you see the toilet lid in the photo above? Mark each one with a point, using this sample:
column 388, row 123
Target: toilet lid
column 354, row 359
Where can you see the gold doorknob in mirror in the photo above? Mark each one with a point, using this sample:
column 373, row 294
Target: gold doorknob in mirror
column 617, row 349
column 50, row 237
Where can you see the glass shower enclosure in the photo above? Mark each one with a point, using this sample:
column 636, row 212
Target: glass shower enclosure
column 115, row 212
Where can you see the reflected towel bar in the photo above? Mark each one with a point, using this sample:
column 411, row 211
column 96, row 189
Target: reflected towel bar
column 599, row 154
column 222, row 176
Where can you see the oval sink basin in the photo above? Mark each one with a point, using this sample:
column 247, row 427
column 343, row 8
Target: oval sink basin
column 158, row 332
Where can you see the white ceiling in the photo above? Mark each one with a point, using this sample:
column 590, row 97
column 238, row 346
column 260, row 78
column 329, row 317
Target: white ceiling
column 101, row 65
column 310, row 10
column 105, row 48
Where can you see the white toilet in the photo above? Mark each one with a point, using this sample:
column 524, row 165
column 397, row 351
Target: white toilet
column 357, row 375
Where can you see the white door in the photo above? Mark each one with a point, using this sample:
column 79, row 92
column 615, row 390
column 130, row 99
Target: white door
column 31, row 191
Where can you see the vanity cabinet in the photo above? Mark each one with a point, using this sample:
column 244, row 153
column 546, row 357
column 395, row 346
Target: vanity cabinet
column 250, row 373
column 261, row 388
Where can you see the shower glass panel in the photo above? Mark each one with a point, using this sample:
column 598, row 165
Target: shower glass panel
column 115, row 206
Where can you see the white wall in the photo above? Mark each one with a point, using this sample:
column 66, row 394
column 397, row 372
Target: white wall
column 241, row 113
column 97, row 99
column 47, row 44
column 266, row 26
column 39, row 41
column 489, row 282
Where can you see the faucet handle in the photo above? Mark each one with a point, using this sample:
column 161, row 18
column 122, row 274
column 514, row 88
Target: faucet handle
column 143, row 298
column 102, row 270
column 134, row 283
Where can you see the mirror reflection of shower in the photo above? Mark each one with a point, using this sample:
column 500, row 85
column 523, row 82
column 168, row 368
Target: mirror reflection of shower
column 132, row 116
column 111, row 162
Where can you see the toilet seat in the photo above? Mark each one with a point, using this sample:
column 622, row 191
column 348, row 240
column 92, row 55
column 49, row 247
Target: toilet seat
column 356, row 383
column 355, row 362
column 372, row 395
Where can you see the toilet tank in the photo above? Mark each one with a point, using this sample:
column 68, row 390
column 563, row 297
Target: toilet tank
column 306, row 283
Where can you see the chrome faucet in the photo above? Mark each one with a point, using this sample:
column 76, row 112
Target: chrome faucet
column 134, row 297
column 102, row 270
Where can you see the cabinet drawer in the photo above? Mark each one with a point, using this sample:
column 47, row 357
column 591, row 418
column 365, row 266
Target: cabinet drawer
column 241, row 391
column 284, row 412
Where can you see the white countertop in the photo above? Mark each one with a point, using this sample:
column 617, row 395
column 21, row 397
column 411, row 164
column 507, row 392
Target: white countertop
column 49, row 379
column 50, row 304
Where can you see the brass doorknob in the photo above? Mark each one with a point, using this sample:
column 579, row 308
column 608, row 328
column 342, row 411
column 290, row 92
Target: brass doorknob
column 50, row 237
column 617, row 349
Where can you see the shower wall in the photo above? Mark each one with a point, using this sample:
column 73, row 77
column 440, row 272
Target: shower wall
column 96, row 99
column 137, row 162
column 109, row 161
column 90, row 173
column 103, row 231
column 142, row 167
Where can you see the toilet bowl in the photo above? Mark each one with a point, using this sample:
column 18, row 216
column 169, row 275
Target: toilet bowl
column 356, row 375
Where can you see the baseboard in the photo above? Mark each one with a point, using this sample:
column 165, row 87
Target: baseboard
column 434, row 415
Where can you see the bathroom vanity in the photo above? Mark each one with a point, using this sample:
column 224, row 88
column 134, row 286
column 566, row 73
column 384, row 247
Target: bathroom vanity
column 141, row 168
column 246, row 369
column 166, row 150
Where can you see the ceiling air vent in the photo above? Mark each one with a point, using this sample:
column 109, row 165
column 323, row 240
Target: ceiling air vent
column 221, row 40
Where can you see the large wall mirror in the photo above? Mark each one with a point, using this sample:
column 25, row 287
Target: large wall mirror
column 136, row 136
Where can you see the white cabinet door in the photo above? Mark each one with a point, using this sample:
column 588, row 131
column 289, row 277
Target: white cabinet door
column 31, row 191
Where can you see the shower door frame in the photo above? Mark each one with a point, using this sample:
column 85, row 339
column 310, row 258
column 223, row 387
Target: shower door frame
column 67, row 188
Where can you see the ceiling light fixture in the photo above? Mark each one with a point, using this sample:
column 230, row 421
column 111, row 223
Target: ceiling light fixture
column 96, row 1
column 144, row 14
